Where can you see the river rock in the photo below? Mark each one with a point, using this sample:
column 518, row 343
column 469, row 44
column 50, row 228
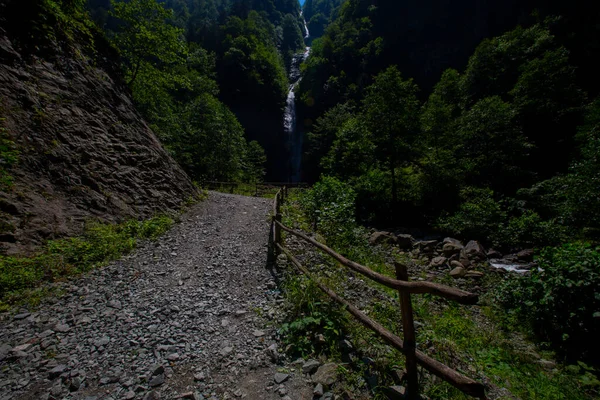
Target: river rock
column 525, row 255
column 474, row 250
column 382, row 237
column 493, row 254
column 326, row 375
column 404, row 241
column 438, row 262
column 474, row 274
column 458, row 272
column 451, row 246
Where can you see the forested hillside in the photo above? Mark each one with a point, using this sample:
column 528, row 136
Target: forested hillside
column 217, row 74
column 477, row 120
column 412, row 121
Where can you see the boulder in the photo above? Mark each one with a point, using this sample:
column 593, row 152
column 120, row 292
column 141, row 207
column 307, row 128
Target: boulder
column 381, row 237
column 458, row 272
column 525, row 255
column 474, row 250
column 404, row 241
column 427, row 247
column 451, row 247
column 438, row 262
column 326, row 375
column 474, row 274
column 464, row 260
column 493, row 254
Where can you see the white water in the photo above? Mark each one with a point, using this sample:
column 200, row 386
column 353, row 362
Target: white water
column 293, row 137
column 519, row 268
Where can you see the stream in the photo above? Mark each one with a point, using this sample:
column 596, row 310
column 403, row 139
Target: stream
column 294, row 139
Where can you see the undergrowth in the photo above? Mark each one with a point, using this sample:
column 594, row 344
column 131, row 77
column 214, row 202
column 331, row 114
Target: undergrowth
column 101, row 243
column 475, row 340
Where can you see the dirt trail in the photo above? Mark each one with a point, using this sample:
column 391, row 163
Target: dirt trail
column 188, row 314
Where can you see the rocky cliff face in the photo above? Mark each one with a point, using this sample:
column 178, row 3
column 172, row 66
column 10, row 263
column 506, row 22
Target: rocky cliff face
column 85, row 153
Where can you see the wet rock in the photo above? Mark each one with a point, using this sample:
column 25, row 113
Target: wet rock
column 493, row 254
column 525, row 255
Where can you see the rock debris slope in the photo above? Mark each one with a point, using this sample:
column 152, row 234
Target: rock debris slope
column 85, row 152
column 187, row 315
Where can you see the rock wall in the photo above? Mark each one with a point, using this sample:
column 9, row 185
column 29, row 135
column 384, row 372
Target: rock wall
column 85, row 152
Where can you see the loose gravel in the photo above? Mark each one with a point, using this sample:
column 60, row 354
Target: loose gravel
column 188, row 316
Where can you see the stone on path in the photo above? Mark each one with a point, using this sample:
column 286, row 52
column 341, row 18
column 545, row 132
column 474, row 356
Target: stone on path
column 280, row 377
column 310, row 366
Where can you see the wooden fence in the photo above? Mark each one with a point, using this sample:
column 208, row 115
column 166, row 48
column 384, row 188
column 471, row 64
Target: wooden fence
column 258, row 188
column 405, row 289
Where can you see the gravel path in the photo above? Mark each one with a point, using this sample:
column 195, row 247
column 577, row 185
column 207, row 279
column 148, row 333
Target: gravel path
column 188, row 316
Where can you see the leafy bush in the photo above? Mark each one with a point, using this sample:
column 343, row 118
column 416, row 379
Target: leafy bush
column 330, row 205
column 561, row 299
column 312, row 314
column 530, row 230
column 478, row 216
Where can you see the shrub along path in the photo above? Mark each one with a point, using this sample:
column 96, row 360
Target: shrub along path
column 186, row 314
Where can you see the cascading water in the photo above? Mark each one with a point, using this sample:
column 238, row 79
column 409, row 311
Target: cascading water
column 293, row 137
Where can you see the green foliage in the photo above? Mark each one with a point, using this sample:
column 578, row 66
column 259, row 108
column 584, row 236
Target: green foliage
column 479, row 215
column 99, row 244
column 561, row 298
column 301, row 335
column 254, row 162
column 492, row 144
column 211, row 145
column 330, row 205
column 145, row 37
column 352, row 153
column 9, row 156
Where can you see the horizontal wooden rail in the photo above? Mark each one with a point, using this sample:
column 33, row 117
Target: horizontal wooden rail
column 460, row 296
column 263, row 184
column 456, row 379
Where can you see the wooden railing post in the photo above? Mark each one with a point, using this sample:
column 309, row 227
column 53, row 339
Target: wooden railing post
column 408, row 326
column 277, row 232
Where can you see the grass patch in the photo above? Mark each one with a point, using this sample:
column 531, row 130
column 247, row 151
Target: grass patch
column 20, row 277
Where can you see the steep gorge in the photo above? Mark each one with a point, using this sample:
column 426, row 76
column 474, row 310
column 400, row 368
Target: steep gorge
column 85, row 153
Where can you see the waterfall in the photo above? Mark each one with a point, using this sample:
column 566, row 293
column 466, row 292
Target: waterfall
column 293, row 137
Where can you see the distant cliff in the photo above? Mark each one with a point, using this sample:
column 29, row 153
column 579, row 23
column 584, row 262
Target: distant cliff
column 84, row 151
